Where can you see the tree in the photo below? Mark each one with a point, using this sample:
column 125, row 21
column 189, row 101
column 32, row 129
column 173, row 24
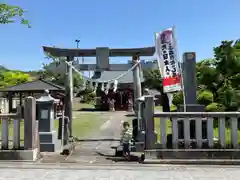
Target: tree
column 205, row 97
column 228, row 69
column 12, row 13
column 11, row 78
column 60, row 79
column 153, row 80
column 221, row 76
column 217, row 79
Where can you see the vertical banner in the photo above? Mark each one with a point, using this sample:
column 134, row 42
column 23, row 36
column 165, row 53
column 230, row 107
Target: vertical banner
column 166, row 52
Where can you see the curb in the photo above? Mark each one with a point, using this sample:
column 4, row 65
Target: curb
column 193, row 161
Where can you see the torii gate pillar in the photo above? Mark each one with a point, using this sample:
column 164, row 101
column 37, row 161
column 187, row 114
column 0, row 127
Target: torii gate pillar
column 137, row 87
column 69, row 94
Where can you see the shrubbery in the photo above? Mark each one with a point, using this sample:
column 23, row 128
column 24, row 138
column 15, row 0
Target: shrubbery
column 205, row 97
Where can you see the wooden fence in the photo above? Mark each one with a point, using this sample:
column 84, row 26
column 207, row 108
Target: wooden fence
column 199, row 118
column 169, row 122
column 4, row 104
column 29, row 124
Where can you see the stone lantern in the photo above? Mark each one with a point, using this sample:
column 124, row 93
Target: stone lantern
column 45, row 116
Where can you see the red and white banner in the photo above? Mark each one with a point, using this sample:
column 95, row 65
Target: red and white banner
column 167, row 61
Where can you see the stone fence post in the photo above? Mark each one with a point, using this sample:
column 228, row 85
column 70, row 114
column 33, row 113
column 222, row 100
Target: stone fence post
column 149, row 120
column 31, row 135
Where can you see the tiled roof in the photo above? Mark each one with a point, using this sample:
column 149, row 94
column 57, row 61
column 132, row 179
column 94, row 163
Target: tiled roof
column 37, row 85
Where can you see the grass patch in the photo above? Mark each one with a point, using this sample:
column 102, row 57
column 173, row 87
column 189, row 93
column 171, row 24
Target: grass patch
column 83, row 125
column 157, row 124
column 11, row 130
column 159, row 108
column 86, row 124
column 77, row 105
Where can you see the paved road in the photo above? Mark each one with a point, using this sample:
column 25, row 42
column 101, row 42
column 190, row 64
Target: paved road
column 138, row 172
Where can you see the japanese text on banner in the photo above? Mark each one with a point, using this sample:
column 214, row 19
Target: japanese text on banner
column 167, row 60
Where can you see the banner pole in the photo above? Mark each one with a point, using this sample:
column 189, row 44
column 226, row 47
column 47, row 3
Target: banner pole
column 179, row 66
column 169, row 95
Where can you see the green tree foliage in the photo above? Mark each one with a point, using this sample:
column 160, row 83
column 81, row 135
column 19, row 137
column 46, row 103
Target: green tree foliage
column 218, row 79
column 60, row 78
column 177, row 98
column 214, row 107
column 12, row 78
column 205, row 97
column 227, row 67
column 153, row 80
column 11, row 13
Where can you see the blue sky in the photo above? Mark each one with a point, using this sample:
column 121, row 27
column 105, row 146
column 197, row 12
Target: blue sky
column 200, row 25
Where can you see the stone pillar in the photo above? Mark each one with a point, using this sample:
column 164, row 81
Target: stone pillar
column 137, row 86
column 29, row 123
column 136, row 79
column 189, row 77
column 148, row 116
column 142, row 123
column 190, row 90
column 69, row 94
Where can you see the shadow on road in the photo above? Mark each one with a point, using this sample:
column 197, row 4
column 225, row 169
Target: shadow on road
column 120, row 159
column 89, row 110
column 95, row 140
column 130, row 115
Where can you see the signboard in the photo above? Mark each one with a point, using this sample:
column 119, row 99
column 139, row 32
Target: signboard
column 167, row 61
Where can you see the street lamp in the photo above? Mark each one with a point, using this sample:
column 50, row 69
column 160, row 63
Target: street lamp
column 77, row 41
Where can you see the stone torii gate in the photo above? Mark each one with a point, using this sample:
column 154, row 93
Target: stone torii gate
column 102, row 55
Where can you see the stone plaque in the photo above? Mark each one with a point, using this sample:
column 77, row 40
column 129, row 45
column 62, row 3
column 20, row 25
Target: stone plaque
column 44, row 114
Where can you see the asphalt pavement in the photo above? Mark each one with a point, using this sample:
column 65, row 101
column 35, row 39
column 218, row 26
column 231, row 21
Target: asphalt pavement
column 117, row 172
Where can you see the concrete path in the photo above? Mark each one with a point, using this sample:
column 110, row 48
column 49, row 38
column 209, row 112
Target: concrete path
column 114, row 172
column 98, row 150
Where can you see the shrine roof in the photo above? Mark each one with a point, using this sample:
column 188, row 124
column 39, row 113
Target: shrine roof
column 107, row 75
column 33, row 86
column 64, row 52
